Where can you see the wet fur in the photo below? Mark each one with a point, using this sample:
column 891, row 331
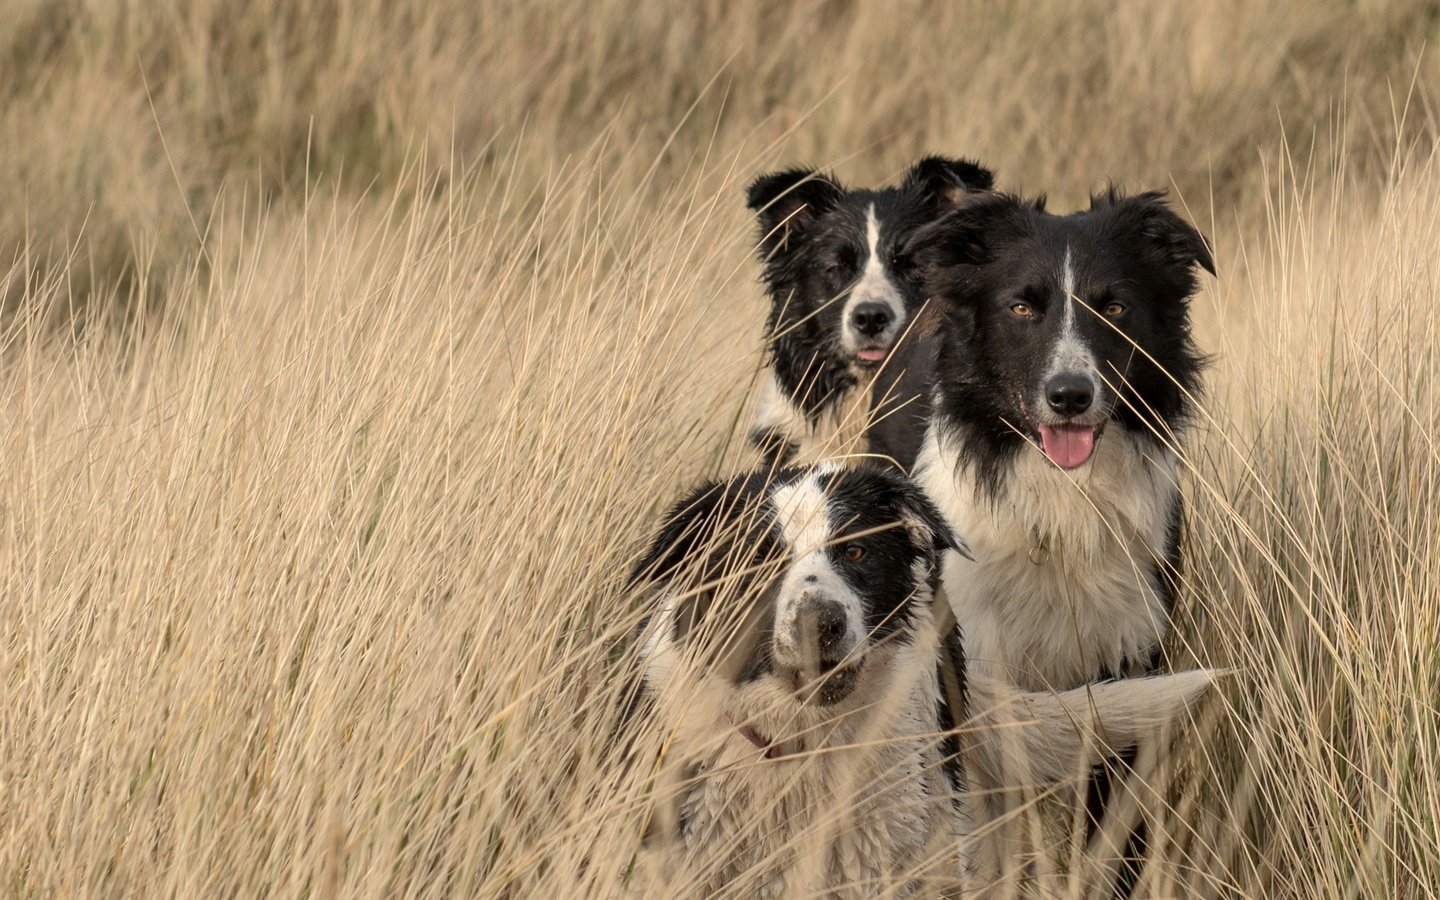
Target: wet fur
column 1075, row 570
column 878, row 783
column 825, row 246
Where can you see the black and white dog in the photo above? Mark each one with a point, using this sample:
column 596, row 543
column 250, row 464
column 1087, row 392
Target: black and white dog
column 1041, row 407
column 1042, row 411
column 841, row 290
column 793, row 664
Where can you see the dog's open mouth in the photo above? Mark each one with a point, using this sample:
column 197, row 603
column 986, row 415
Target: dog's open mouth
column 870, row 357
column 1069, row 446
column 834, row 684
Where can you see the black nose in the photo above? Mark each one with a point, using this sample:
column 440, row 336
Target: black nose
column 1069, row 394
column 822, row 626
column 870, row 318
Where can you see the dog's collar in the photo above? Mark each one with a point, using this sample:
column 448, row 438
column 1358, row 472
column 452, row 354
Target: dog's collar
column 769, row 749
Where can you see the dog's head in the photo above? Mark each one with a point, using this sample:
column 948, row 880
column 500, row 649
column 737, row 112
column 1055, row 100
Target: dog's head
column 791, row 594
column 840, row 285
column 1059, row 325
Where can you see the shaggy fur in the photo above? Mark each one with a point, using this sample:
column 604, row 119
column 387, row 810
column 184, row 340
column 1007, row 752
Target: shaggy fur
column 1042, row 412
column 810, row 699
column 1042, row 408
column 841, row 290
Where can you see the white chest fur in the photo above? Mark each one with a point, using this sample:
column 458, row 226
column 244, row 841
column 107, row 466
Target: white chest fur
column 837, row 431
column 1063, row 583
column 873, row 809
column 846, row 825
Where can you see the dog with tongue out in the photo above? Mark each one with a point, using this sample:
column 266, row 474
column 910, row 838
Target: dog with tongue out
column 841, row 294
column 1043, row 407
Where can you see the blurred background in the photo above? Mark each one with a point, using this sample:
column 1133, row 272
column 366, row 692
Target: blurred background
column 350, row 348
column 125, row 123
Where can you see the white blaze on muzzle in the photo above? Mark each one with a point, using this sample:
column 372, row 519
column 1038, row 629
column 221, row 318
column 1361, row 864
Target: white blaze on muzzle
column 1068, row 436
column 1070, row 353
column 875, row 285
column 811, row 581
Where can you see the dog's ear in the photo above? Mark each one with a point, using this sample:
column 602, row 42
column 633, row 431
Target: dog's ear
column 926, row 524
column 716, row 517
column 945, row 182
column 787, row 203
column 687, row 525
column 968, row 236
column 1176, row 242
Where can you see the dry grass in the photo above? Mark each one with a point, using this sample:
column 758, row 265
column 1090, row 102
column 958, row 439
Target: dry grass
column 397, row 322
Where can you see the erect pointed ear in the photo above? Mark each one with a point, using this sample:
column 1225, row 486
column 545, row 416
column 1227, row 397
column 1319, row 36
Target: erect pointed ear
column 946, row 182
column 787, row 203
column 1175, row 241
column 968, row 235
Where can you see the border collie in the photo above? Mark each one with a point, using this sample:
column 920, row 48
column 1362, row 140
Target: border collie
column 1050, row 394
column 840, row 292
column 1041, row 406
column 793, row 666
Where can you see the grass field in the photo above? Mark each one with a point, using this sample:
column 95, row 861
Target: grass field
column 350, row 349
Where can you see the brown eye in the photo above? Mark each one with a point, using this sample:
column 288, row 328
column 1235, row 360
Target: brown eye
column 1114, row 310
column 1022, row 310
column 854, row 552
column 843, row 262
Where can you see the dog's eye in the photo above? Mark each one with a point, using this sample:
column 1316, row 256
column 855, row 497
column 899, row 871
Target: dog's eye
column 842, row 262
column 854, row 552
column 1022, row 310
column 1114, row 310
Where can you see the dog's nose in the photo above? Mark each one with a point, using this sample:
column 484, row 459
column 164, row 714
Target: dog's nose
column 822, row 628
column 870, row 319
column 1069, row 394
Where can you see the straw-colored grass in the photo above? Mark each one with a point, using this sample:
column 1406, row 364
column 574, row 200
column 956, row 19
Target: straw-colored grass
column 350, row 349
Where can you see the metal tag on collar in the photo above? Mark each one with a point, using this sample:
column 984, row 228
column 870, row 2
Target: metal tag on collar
column 1039, row 552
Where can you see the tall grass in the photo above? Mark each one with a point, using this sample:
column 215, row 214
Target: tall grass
column 397, row 322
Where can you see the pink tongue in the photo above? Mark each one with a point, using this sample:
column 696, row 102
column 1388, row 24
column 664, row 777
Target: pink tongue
column 1068, row 446
column 871, row 355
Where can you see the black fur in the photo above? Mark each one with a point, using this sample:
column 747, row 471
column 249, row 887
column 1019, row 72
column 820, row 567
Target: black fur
column 950, row 672
column 725, row 533
column 813, row 244
column 975, row 373
column 720, row 543
column 868, row 501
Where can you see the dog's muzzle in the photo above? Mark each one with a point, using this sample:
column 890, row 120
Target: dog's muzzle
column 819, row 650
column 870, row 326
column 1073, row 418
